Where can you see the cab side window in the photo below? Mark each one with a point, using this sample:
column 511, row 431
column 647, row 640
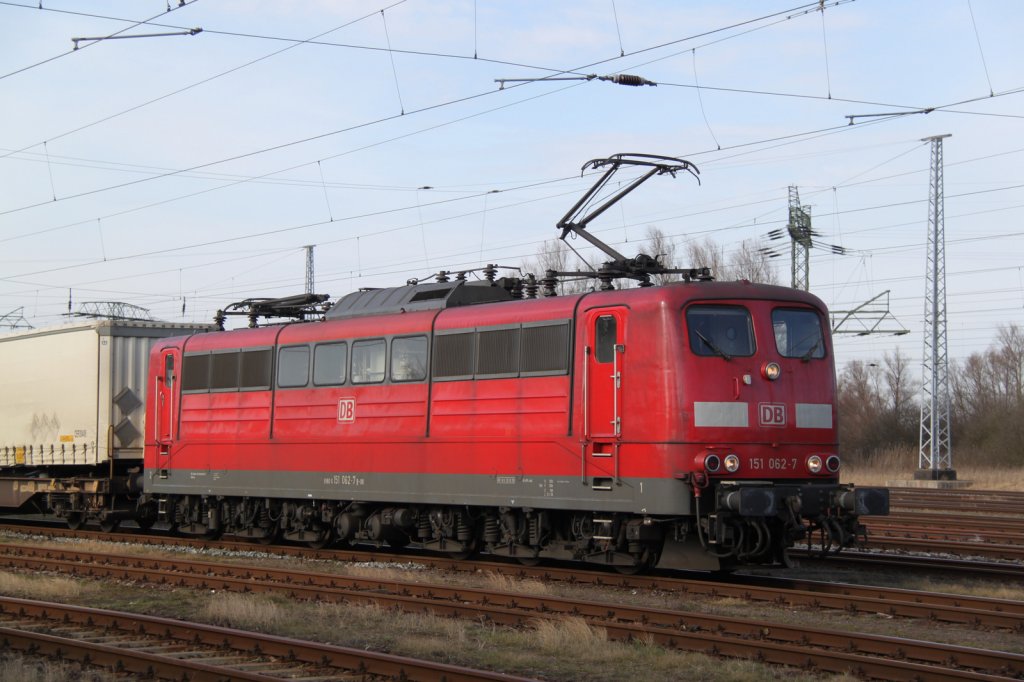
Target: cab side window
column 605, row 333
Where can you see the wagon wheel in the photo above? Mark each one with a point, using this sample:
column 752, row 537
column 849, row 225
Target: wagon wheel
column 75, row 520
column 528, row 560
column 109, row 525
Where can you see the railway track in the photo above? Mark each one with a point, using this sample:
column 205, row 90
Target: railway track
column 771, row 642
column 1001, row 502
column 163, row 648
column 777, row 590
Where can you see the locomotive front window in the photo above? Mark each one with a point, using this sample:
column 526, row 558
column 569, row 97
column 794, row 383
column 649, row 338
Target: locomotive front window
column 409, row 359
column 368, row 361
column 798, row 333
column 329, row 360
column 293, row 367
column 722, row 330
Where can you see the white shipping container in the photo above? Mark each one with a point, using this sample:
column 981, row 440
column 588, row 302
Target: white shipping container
column 75, row 394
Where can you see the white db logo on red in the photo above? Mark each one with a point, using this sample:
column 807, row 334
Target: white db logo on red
column 771, row 414
column 347, row 410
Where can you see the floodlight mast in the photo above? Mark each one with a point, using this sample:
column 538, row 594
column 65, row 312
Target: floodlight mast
column 577, row 218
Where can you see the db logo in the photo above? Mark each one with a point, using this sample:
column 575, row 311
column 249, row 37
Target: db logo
column 347, row 410
column 771, row 414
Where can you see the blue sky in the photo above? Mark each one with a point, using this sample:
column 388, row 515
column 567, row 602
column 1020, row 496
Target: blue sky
column 194, row 168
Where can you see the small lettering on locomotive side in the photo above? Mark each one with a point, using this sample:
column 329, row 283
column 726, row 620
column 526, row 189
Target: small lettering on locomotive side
column 506, row 480
column 350, row 480
column 347, row 410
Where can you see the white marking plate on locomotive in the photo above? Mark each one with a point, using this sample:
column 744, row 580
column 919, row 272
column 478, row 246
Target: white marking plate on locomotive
column 813, row 416
column 721, row 414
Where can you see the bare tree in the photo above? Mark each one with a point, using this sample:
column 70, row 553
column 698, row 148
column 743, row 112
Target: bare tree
column 750, row 263
column 555, row 254
column 899, row 399
column 664, row 249
column 706, row 254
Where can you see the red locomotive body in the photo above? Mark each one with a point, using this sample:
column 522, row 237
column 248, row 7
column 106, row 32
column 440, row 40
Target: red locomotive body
column 688, row 425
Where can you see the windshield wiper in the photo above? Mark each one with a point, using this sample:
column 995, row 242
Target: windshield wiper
column 710, row 344
column 807, row 356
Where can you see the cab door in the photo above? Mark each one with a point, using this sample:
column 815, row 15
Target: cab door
column 166, row 385
column 605, row 365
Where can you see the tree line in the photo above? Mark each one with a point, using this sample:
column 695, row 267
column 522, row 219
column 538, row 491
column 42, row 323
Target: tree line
column 879, row 404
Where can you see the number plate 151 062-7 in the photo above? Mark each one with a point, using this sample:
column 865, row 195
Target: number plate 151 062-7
column 785, row 464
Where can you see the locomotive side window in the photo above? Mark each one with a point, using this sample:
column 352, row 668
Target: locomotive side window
column 604, row 338
column 545, row 349
column 293, row 366
column 798, row 333
column 224, row 371
column 409, row 359
column 368, row 361
column 329, row 361
column 453, row 355
column 195, row 372
column 255, row 369
column 722, row 330
column 530, row 349
column 498, row 352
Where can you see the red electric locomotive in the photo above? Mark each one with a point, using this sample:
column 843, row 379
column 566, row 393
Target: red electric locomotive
column 690, row 425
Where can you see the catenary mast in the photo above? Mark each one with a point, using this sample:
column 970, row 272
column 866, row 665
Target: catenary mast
column 936, row 460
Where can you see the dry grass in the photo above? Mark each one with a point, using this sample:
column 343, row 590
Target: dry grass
column 15, row 668
column 899, row 464
column 243, row 611
column 507, row 583
column 44, row 588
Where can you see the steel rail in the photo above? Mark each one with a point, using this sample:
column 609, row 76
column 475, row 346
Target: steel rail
column 15, row 634
column 770, row 642
column 894, row 602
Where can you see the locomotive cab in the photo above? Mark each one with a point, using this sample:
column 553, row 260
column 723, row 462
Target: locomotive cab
column 760, row 392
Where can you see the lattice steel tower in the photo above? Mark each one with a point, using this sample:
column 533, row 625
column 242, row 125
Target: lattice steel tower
column 936, row 458
column 800, row 236
column 309, row 269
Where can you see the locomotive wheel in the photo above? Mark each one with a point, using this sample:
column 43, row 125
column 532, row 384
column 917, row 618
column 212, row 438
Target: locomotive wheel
column 145, row 523
column 322, row 541
column 470, row 551
column 109, row 525
column 647, row 561
column 270, row 538
column 530, row 561
column 75, row 520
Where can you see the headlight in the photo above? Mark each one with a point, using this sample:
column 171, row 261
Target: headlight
column 712, row 463
column 832, row 463
column 771, row 371
column 732, row 463
column 814, row 464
